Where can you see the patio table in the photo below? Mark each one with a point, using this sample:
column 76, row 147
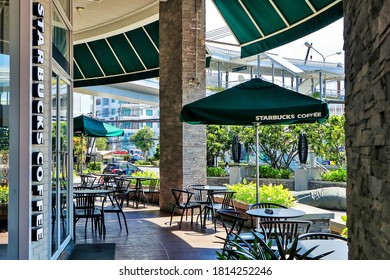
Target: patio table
column 139, row 193
column 339, row 248
column 277, row 213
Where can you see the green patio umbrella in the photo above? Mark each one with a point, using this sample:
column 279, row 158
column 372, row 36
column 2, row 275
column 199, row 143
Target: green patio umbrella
column 85, row 126
column 255, row 102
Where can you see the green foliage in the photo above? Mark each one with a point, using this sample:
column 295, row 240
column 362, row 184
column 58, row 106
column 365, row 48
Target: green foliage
column 344, row 232
column 239, row 249
column 214, row 171
column 339, row 175
column 157, row 152
column 143, row 139
column 218, row 141
column 146, row 173
column 4, row 138
column 101, row 143
column 327, row 140
column 266, row 171
column 95, row 166
column 276, row 194
column 4, row 193
column 246, row 193
column 277, row 143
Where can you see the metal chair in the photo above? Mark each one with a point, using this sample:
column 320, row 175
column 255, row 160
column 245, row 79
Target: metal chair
column 213, row 205
column 285, row 230
column 85, row 208
column 87, row 181
column 183, row 202
column 153, row 189
column 233, row 223
column 116, row 206
column 263, row 205
column 321, row 235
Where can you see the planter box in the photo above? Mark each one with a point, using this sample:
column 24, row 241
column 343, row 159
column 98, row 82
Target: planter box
column 320, row 218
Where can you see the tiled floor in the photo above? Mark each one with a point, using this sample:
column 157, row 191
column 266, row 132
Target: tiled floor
column 152, row 238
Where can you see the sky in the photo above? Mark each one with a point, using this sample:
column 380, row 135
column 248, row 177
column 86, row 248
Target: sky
column 327, row 41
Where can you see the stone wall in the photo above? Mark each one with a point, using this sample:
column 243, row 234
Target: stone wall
column 367, row 43
column 287, row 183
column 182, row 80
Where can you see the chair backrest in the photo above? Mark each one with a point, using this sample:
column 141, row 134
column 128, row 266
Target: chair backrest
column 227, row 199
column 199, row 195
column 232, row 222
column 87, row 181
column 85, row 204
column 263, row 205
column 121, row 184
column 286, row 230
column 182, row 197
column 154, row 185
column 321, row 235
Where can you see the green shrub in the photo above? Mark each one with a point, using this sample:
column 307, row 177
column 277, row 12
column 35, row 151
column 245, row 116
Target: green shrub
column 339, row 175
column 214, row 171
column 266, row 171
column 95, row 166
column 246, row 193
column 146, row 173
column 4, row 192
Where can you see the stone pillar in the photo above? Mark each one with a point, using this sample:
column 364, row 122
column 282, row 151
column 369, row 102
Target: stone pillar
column 182, row 80
column 367, row 42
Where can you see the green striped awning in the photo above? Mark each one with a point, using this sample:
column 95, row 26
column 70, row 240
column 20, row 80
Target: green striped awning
column 262, row 25
column 128, row 56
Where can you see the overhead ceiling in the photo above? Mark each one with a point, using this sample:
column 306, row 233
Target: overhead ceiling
column 115, row 41
column 118, row 40
column 96, row 19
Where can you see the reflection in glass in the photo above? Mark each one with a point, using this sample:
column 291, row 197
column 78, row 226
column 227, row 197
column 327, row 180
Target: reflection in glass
column 60, row 41
column 54, row 164
column 4, row 125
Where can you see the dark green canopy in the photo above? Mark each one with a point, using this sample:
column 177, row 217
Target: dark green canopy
column 262, row 25
column 86, row 126
column 255, row 101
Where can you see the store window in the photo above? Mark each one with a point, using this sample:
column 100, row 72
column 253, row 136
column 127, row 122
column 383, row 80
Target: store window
column 4, row 125
column 61, row 97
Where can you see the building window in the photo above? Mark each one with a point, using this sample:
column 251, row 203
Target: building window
column 98, row 102
column 105, row 101
column 149, row 112
column 113, row 112
column 105, row 113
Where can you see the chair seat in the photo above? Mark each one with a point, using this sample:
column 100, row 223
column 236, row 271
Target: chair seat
column 189, row 205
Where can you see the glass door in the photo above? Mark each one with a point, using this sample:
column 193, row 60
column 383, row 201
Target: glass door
column 4, row 125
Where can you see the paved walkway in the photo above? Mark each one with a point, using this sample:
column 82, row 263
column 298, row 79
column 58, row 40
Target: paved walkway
column 152, row 238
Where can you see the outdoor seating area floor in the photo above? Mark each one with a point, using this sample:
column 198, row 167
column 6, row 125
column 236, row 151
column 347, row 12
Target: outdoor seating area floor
column 152, row 238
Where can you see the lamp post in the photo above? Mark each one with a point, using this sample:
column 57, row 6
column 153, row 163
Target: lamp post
column 310, row 45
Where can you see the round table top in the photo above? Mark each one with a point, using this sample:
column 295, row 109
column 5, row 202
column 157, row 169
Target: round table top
column 210, row 188
column 339, row 247
column 280, row 213
column 107, row 174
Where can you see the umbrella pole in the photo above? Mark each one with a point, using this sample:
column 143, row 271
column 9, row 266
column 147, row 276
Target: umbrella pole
column 257, row 163
column 81, row 166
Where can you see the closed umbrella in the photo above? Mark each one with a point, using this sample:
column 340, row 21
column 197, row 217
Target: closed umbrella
column 255, row 102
